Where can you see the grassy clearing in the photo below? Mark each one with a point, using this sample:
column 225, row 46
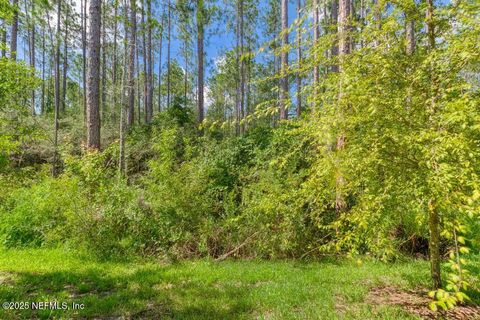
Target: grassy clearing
column 201, row 289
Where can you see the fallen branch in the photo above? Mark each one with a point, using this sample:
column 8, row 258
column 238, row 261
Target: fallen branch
column 229, row 253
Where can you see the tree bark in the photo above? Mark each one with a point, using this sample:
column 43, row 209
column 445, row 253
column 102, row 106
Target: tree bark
column 242, row 66
column 42, row 105
column 83, row 4
column 32, row 53
column 149, row 97
column 433, row 216
column 131, row 65
column 316, row 36
column 114, row 53
column 125, row 90
column 93, row 85
column 13, row 35
column 139, row 97
column 200, row 44
column 160, row 66
column 168, row 51
column 103, row 106
column 114, row 63
column 334, row 19
column 238, row 68
column 299, row 59
column 57, row 91
column 145, row 67
column 344, row 49
column 410, row 36
column 65, row 60
column 284, row 62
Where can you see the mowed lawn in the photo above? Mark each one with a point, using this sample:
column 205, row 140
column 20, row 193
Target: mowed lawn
column 329, row 289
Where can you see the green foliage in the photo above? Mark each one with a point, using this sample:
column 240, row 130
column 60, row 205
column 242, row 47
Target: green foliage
column 383, row 142
column 16, row 83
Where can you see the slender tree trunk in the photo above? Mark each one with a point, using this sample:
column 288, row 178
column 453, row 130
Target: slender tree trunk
column 160, row 67
column 284, row 63
column 410, row 36
column 42, row 106
column 149, row 95
column 185, row 75
column 104, row 45
column 200, row 40
column 131, row 64
column 114, row 61
column 168, row 52
column 139, row 97
column 316, row 37
column 344, row 49
column 335, row 27
column 242, row 65
column 299, row 58
column 238, row 81
column 125, row 90
column 93, row 84
column 32, row 53
column 433, row 216
column 145, row 67
column 51, row 67
column 344, row 29
column 65, row 60
column 83, row 4
column 276, row 68
column 57, row 90
column 13, row 35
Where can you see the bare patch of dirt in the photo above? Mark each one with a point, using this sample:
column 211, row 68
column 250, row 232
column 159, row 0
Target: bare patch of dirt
column 416, row 302
column 7, row 279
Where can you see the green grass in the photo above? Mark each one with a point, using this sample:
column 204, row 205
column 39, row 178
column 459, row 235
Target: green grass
column 330, row 289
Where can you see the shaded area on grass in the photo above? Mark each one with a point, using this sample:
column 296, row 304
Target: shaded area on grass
column 201, row 289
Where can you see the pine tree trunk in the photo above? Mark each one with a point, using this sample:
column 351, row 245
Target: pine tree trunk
column 65, row 61
column 185, row 80
column 42, row 105
column 145, row 67
column 334, row 21
column 433, row 217
column 125, row 91
column 284, row 62
column 238, row 67
column 344, row 49
column 149, row 103
column 13, row 35
column 83, row 17
column 114, row 63
column 160, row 68
column 168, row 52
column 200, row 44
column 137, row 57
column 103, row 106
column 242, row 66
column 299, row 60
column 57, row 91
column 32, row 53
column 93, row 84
column 131, row 65
column 410, row 36
column 316, row 36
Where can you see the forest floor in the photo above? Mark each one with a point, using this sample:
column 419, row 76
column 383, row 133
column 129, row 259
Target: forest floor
column 204, row 289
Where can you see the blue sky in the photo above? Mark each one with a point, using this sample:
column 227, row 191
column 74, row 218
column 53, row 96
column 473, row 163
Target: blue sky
column 220, row 39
